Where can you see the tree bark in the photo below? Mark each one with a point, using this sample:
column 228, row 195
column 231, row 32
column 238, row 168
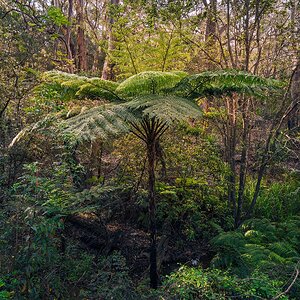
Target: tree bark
column 244, row 160
column 81, row 42
column 108, row 72
column 211, row 31
column 293, row 121
column 68, row 37
column 152, row 214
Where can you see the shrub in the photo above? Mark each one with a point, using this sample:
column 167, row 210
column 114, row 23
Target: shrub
column 214, row 284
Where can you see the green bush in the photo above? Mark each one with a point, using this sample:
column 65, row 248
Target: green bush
column 212, row 284
column 280, row 200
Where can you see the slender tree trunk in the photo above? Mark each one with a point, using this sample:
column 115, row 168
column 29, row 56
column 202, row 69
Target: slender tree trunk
column 272, row 136
column 233, row 62
column 231, row 152
column 149, row 131
column 293, row 121
column 81, row 42
column 152, row 214
column 108, row 72
column 68, row 37
column 211, row 31
column 247, row 36
column 244, row 160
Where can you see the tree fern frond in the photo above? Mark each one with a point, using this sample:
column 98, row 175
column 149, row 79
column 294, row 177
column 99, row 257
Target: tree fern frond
column 147, row 83
column 224, row 82
column 70, row 86
column 104, row 121
column 74, row 84
column 165, row 108
column 284, row 249
column 46, row 122
column 96, row 88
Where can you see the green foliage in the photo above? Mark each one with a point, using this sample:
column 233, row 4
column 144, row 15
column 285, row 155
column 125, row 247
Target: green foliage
column 196, row 283
column 111, row 280
column 191, row 204
column 66, row 87
column 150, row 82
column 4, row 294
column 145, row 89
column 216, row 83
column 257, row 246
column 56, row 16
column 100, row 122
column 279, row 200
column 163, row 46
column 95, row 88
column 45, row 264
column 167, row 109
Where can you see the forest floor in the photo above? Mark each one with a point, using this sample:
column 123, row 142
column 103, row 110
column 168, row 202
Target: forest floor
column 133, row 244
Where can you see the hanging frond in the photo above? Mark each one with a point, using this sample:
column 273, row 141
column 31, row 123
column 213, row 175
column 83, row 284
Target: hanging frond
column 96, row 88
column 166, row 96
column 216, row 83
column 165, row 108
column 58, row 76
column 70, row 86
column 39, row 126
column 147, row 83
column 103, row 122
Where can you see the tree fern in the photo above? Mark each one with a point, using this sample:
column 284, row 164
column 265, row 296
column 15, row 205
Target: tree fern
column 157, row 100
column 104, row 121
column 71, row 86
column 216, row 83
column 95, row 88
column 150, row 82
column 165, row 108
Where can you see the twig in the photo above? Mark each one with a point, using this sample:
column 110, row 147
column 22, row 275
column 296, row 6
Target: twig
column 290, row 286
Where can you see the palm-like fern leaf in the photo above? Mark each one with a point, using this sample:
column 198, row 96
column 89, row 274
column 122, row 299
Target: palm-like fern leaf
column 96, row 88
column 224, row 82
column 39, row 126
column 73, row 86
column 150, row 82
column 165, row 108
column 102, row 122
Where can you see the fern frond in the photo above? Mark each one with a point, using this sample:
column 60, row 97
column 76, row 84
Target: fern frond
column 284, row 249
column 264, row 226
column 96, row 88
column 44, row 123
column 165, row 108
column 216, row 83
column 102, row 122
column 147, row 83
column 71, row 86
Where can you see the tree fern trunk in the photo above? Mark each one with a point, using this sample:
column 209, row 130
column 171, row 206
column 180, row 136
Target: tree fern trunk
column 152, row 214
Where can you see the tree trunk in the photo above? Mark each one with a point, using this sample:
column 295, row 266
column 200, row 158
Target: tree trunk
column 152, row 213
column 211, row 31
column 244, row 160
column 293, row 121
column 68, row 38
column 108, row 72
column 231, row 152
column 81, row 43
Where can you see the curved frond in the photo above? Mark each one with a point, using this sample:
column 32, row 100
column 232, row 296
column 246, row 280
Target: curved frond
column 165, row 108
column 96, row 88
column 46, row 122
column 215, row 83
column 69, row 86
column 100, row 122
column 147, row 83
